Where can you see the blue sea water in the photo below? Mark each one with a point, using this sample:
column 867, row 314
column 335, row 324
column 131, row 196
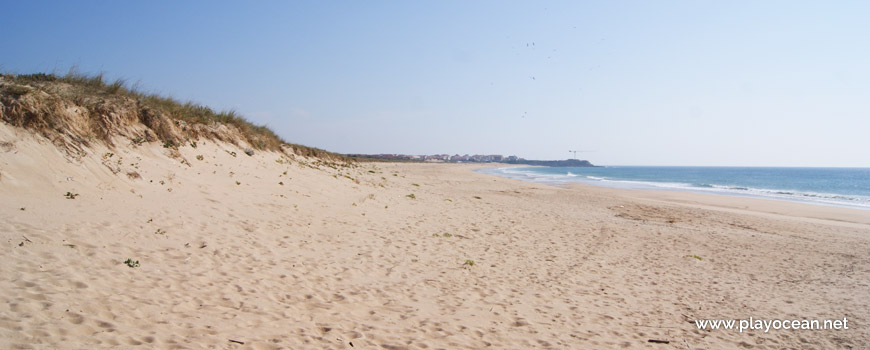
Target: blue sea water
column 845, row 187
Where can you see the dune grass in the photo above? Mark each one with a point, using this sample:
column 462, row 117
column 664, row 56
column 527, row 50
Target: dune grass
column 82, row 86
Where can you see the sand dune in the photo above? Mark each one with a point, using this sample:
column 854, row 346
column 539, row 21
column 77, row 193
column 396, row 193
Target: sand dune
column 289, row 252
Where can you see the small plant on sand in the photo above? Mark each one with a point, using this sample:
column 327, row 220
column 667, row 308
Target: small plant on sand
column 416, row 185
column 139, row 140
column 448, row 235
column 193, row 144
column 130, row 263
column 693, row 256
column 371, row 171
column 238, row 183
column 108, row 155
column 468, row 262
column 168, row 144
column 199, row 157
column 281, row 183
column 477, row 197
column 231, row 153
column 160, row 232
column 412, row 196
column 70, row 195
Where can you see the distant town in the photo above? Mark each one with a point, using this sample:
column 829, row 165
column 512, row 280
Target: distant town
column 477, row 158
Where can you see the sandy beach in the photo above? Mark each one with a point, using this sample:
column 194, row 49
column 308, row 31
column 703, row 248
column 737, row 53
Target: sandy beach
column 277, row 252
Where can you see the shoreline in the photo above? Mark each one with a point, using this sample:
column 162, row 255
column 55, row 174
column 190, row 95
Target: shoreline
column 741, row 204
column 723, row 201
column 680, row 190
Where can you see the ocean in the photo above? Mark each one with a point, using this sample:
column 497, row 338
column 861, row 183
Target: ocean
column 844, row 187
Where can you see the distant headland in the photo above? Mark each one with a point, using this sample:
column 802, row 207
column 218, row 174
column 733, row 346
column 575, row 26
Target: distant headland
column 477, row 158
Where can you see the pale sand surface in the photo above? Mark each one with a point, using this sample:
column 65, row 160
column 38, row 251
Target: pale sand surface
column 323, row 261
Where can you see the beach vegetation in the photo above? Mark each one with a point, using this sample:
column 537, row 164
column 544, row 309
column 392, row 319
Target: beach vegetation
column 34, row 102
column 70, row 195
column 131, row 263
column 19, row 90
column 199, row 157
column 693, row 256
column 412, row 196
column 468, row 262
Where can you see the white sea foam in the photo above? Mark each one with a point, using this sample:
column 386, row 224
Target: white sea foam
column 529, row 174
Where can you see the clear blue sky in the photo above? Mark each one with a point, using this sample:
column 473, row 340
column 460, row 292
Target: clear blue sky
column 779, row 83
